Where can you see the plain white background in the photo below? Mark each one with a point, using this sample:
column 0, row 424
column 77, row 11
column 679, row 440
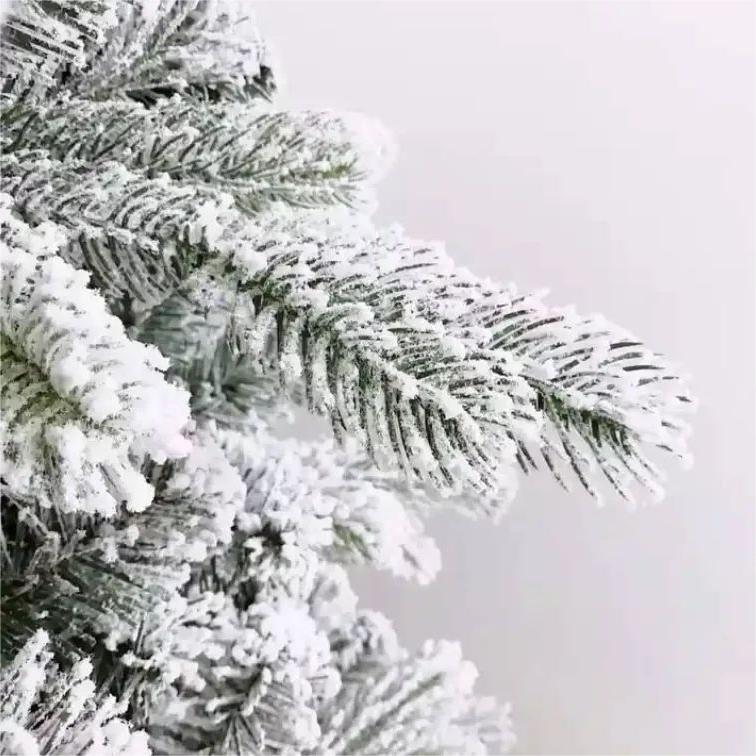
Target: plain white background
column 605, row 150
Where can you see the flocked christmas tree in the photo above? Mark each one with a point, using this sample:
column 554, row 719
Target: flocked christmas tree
column 182, row 262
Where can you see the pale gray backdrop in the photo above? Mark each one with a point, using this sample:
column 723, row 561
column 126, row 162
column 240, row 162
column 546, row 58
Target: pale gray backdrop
column 605, row 150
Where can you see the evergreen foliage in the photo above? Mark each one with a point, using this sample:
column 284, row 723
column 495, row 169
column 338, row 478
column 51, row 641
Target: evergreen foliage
column 182, row 263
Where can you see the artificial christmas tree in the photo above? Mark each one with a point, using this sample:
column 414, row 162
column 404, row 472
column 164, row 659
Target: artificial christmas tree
column 181, row 264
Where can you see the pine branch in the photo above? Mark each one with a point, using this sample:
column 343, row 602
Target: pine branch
column 228, row 389
column 201, row 50
column 118, row 586
column 394, row 702
column 442, row 410
column 197, row 332
column 42, row 39
column 312, row 498
column 66, row 579
column 46, row 711
column 261, row 672
column 604, row 394
column 140, row 238
column 79, row 396
column 304, row 159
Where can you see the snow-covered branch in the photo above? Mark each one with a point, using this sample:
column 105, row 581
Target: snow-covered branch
column 440, row 408
column 311, row 498
column 47, row 711
column 41, row 40
column 391, row 701
column 306, row 159
column 79, row 396
column 604, row 395
column 146, row 50
column 598, row 394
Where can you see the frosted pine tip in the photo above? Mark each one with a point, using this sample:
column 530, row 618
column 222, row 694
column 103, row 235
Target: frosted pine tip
column 373, row 145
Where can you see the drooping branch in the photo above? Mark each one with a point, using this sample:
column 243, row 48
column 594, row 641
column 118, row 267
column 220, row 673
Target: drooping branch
column 605, row 396
column 602, row 395
column 441, row 409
